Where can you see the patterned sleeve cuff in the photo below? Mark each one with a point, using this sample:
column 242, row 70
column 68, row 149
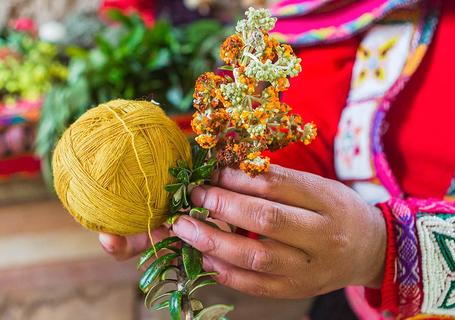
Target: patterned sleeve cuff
column 421, row 258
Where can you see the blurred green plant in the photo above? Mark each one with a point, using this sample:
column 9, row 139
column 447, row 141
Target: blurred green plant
column 28, row 67
column 130, row 61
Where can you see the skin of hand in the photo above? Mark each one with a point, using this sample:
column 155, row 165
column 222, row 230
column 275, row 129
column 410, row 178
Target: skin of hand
column 319, row 234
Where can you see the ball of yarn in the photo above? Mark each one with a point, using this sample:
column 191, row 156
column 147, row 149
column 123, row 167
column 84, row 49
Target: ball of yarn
column 111, row 165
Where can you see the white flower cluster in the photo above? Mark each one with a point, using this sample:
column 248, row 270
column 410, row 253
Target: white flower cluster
column 256, row 19
column 234, row 92
column 285, row 66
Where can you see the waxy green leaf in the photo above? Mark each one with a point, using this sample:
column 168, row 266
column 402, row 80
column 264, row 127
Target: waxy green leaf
column 154, row 292
column 203, row 283
column 215, row 312
column 199, row 213
column 192, row 261
column 163, row 244
column 173, row 187
column 199, row 155
column 154, row 271
column 175, row 305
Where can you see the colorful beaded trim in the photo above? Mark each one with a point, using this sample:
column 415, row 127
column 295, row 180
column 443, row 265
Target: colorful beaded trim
column 342, row 31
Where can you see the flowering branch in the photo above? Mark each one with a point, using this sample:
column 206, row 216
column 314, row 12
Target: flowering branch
column 241, row 117
column 236, row 119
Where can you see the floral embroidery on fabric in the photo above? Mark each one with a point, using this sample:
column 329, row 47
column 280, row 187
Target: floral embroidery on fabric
column 352, row 143
column 437, row 235
column 380, row 60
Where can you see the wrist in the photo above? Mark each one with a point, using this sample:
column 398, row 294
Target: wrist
column 376, row 255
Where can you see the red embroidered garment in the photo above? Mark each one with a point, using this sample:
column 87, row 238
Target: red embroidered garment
column 421, row 120
column 417, row 144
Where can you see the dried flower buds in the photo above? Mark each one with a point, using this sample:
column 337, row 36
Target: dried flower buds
column 242, row 116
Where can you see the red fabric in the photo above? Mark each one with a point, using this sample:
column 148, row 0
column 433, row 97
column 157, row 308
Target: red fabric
column 146, row 9
column 386, row 299
column 419, row 142
column 421, row 139
column 319, row 94
column 24, row 164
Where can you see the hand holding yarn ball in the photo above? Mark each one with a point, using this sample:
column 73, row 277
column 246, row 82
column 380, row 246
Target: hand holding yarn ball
column 111, row 165
column 125, row 168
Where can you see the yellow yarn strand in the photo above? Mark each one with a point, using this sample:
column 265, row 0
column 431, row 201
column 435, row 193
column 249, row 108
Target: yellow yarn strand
column 149, row 194
column 103, row 160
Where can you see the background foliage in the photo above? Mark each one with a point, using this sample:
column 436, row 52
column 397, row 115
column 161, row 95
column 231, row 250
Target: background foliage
column 128, row 60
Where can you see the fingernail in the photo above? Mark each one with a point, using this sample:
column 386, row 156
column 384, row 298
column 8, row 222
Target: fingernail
column 207, row 263
column 185, row 229
column 198, row 196
column 106, row 243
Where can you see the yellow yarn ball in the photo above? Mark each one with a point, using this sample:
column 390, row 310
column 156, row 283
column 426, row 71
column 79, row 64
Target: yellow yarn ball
column 111, row 165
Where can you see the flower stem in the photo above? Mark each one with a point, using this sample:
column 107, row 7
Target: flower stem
column 187, row 311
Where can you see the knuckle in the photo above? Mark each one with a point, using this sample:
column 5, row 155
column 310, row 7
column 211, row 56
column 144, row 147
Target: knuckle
column 206, row 242
column 260, row 260
column 270, row 219
column 214, row 201
column 273, row 180
column 223, row 277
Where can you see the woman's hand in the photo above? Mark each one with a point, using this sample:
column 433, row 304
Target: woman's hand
column 321, row 236
column 123, row 248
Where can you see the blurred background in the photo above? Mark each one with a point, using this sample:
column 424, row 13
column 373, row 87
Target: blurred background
column 57, row 59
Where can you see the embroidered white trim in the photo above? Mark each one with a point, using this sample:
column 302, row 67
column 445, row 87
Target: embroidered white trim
column 438, row 279
column 352, row 142
column 380, row 60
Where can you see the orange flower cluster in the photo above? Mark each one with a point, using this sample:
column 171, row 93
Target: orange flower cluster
column 241, row 116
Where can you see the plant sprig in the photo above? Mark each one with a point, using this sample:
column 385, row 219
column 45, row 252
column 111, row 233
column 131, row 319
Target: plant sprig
column 171, row 280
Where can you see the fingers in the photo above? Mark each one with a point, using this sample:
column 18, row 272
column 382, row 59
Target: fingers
column 123, row 248
column 250, row 282
column 290, row 225
column 287, row 186
column 260, row 256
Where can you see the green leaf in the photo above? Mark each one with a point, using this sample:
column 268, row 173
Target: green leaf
column 154, row 292
column 165, row 273
column 165, row 243
column 212, row 224
column 192, row 261
column 154, row 271
column 204, row 172
column 175, row 95
column 229, row 68
column 196, row 304
column 199, row 213
column 175, row 206
column 185, row 202
column 215, row 312
column 174, row 171
column 161, row 59
column 175, row 305
column 206, row 274
column 161, row 305
column 117, row 15
column 160, row 297
column 199, row 155
column 184, row 176
column 201, row 284
column 173, row 217
column 173, row 187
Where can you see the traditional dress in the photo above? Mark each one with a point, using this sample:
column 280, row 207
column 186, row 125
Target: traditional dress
column 378, row 81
